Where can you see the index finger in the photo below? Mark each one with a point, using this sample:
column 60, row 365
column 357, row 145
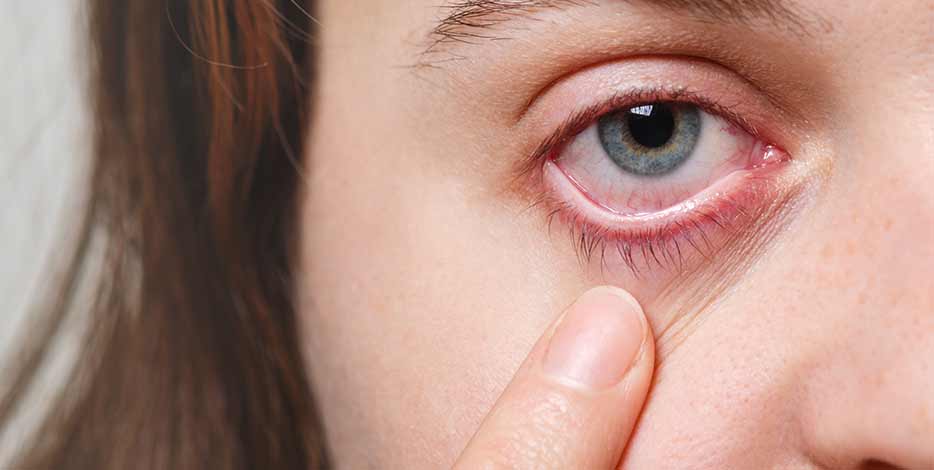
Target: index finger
column 576, row 399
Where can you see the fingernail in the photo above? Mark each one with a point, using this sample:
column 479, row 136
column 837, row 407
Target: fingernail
column 598, row 340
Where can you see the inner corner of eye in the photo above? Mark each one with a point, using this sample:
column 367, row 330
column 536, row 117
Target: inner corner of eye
column 649, row 158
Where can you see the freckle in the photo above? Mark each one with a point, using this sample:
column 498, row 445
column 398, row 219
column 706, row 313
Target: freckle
column 827, row 251
column 887, row 224
column 851, row 248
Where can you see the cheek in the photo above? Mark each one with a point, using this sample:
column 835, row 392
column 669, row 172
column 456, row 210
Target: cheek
column 731, row 379
column 420, row 296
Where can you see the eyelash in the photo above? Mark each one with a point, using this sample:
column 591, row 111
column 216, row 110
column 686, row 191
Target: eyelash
column 665, row 246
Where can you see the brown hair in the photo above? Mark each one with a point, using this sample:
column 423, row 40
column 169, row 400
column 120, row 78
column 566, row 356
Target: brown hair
column 192, row 359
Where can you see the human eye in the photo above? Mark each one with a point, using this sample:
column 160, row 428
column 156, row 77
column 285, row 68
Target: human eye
column 661, row 171
column 649, row 160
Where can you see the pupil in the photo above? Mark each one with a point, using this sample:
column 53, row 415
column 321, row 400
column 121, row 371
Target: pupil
column 652, row 125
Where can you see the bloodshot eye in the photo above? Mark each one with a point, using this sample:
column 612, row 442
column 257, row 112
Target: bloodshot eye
column 646, row 158
column 652, row 139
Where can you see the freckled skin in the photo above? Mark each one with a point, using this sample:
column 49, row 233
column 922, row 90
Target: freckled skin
column 424, row 284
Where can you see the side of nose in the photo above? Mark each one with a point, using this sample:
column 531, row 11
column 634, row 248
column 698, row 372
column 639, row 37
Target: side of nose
column 874, row 418
column 869, row 397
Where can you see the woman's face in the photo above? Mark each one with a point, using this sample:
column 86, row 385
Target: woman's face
column 476, row 166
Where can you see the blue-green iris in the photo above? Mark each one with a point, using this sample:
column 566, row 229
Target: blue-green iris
column 652, row 139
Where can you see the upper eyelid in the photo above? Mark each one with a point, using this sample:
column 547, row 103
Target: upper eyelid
column 685, row 90
column 559, row 108
column 515, row 73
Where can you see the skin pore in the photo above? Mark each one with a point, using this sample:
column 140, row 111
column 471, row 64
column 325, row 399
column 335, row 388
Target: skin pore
column 799, row 335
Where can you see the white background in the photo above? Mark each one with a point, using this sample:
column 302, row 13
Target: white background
column 43, row 156
column 43, row 144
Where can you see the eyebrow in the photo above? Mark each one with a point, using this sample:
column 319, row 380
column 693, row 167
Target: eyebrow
column 473, row 21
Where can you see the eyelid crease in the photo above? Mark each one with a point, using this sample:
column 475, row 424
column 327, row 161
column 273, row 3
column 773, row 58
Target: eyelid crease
column 527, row 107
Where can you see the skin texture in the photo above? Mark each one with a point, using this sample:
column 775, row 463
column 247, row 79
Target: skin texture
column 807, row 342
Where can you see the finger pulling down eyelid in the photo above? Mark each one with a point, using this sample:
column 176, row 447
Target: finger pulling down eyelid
column 649, row 250
column 679, row 300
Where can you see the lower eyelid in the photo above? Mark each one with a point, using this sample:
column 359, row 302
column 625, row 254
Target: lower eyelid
column 567, row 189
column 670, row 238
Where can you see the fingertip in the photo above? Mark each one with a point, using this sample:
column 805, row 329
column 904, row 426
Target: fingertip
column 619, row 292
column 599, row 340
column 647, row 348
column 577, row 400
